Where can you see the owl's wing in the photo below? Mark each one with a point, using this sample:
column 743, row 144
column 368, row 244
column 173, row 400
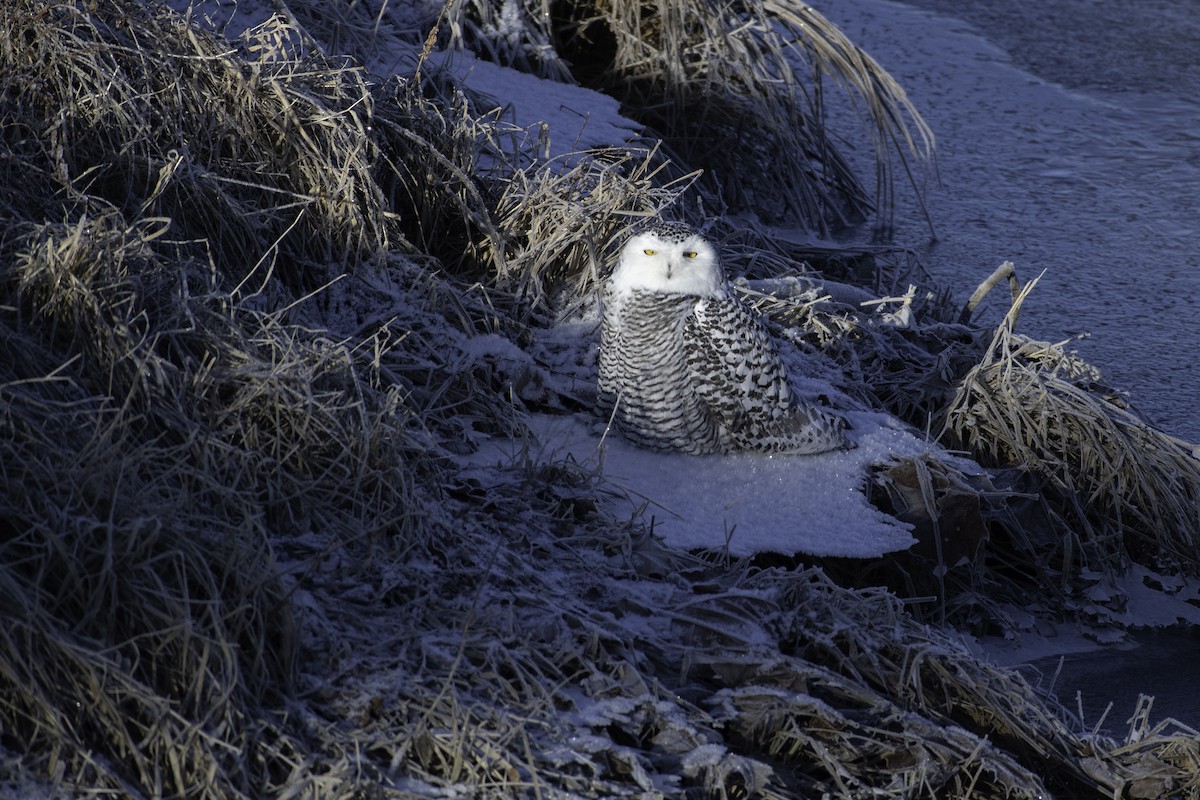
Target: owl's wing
column 738, row 375
column 733, row 361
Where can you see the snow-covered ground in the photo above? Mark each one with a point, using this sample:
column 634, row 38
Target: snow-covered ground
column 746, row 503
column 1029, row 171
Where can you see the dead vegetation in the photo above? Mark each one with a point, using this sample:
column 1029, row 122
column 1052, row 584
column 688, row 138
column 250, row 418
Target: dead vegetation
column 734, row 89
column 1128, row 488
column 241, row 286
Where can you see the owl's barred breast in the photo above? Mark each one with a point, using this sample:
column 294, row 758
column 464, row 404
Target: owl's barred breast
column 643, row 374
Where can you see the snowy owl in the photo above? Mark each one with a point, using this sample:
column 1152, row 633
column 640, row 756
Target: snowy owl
column 686, row 366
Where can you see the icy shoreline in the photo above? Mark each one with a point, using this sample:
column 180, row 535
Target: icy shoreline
column 1095, row 187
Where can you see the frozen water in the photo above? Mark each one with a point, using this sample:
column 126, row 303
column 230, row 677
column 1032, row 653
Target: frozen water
column 1068, row 142
column 1097, row 182
column 577, row 118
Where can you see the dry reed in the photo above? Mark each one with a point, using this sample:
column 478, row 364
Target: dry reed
column 1125, row 487
column 734, row 90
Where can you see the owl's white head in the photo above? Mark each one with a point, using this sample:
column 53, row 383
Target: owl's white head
column 669, row 257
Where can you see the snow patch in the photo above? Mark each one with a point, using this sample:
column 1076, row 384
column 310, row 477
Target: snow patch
column 746, row 503
column 578, row 118
column 488, row 345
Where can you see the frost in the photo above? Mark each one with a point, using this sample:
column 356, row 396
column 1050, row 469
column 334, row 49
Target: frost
column 704, row 756
column 510, row 21
column 489, row 345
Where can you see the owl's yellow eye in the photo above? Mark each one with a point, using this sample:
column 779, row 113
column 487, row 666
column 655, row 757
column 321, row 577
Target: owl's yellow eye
column 649, row 252
column 690, row 254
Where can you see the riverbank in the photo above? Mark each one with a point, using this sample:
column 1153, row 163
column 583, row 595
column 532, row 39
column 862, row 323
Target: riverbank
column 293, row 347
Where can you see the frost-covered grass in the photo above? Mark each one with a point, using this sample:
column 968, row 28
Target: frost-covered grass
column 737, row 90
column 1123, row 485
column 261, row 314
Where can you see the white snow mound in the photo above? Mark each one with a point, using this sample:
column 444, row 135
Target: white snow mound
column 750, row 503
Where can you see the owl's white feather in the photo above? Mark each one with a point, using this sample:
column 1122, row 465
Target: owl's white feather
column 672, row 259
column 685, row 365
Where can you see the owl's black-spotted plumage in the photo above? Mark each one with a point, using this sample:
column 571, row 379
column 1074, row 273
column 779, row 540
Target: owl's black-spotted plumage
column 686, row 366
column 739, row 376
column 644, row 379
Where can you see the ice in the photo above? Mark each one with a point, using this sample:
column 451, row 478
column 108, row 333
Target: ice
column 1097, row 189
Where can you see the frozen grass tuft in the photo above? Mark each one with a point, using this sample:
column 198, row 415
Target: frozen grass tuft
column 737, row 90
column 1125, row 487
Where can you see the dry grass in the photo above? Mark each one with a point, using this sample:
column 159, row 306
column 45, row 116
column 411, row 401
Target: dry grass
column 725, row 88
column 160, row 425
column 236, row 151
column 241, row 297
column 568, row 219
column 1124, row 487
column 1078, row 480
